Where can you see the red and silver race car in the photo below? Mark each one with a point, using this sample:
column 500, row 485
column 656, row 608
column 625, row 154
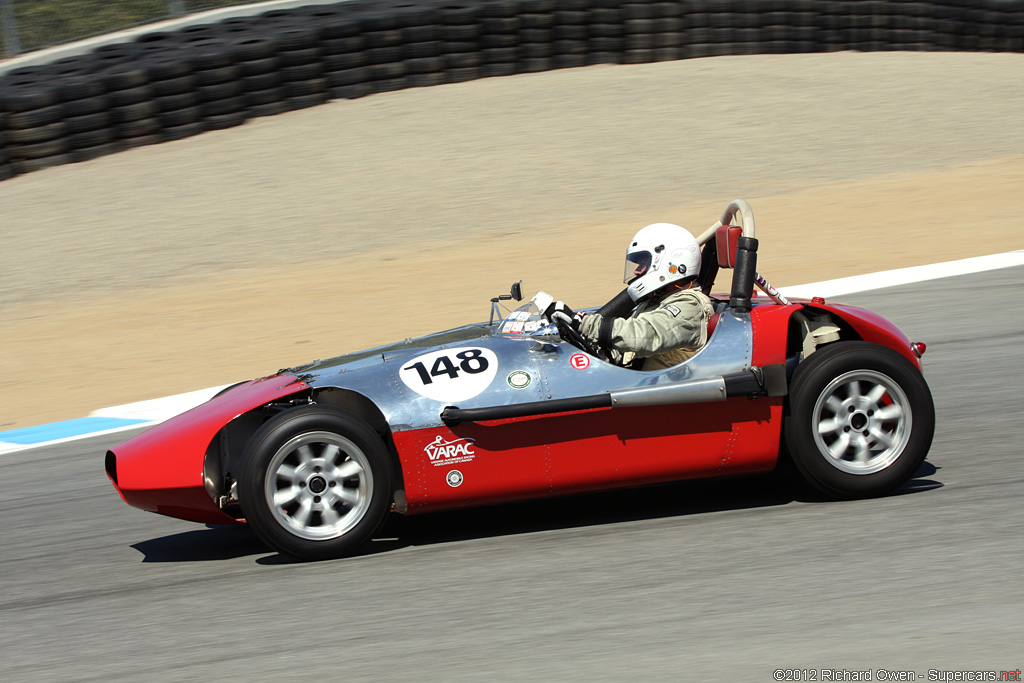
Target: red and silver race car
column 316, row 457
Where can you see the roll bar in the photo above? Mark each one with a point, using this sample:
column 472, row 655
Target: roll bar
column 740, row 206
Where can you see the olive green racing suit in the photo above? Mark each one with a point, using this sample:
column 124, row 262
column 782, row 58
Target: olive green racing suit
column 663, row 331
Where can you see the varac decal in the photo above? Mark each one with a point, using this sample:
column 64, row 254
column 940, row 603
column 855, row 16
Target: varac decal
column 450, row 375
column 443, row 452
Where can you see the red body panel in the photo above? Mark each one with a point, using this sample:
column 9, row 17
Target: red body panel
column 874, row 328
column 770, row 324
column 506, row 460
column 161, row 470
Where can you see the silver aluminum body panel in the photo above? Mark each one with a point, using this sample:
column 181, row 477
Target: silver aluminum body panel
column 540, row 354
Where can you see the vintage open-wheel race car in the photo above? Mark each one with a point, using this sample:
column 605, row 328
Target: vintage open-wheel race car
column 316, row 457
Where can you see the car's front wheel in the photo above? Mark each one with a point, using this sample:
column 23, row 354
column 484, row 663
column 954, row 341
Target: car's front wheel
column 316, row 483
column 861, row 419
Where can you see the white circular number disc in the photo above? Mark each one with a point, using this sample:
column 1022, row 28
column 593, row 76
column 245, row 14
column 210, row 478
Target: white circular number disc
column 450, row 375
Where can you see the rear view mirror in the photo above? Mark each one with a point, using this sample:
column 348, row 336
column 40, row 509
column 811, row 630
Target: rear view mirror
column 517, row 290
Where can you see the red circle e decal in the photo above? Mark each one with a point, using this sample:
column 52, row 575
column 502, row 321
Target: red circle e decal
column 579, row 361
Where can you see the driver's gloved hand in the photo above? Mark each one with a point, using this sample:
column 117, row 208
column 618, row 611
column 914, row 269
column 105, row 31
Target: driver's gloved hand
column 559, row 311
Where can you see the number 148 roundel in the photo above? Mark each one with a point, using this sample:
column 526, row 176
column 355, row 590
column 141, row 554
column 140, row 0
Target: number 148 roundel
column 316, row 457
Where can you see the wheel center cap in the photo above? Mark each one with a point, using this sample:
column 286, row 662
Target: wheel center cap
column 858, row 421
column 317, row 484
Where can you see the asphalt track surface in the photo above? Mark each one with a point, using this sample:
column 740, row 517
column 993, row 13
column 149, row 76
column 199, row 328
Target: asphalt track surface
column 722, row 580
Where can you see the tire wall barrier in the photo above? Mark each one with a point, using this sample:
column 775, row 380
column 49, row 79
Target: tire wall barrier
column 170, row 85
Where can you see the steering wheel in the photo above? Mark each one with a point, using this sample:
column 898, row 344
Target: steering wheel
column 571, row 336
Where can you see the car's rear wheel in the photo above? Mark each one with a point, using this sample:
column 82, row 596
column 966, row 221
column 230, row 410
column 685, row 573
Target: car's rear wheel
column 861, row 420
column 317, row 483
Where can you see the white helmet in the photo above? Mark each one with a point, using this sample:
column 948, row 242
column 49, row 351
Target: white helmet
column 658, row 255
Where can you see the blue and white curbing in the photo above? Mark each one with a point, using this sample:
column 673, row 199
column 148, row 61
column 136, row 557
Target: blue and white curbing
column 105, row 421
column 147, row 413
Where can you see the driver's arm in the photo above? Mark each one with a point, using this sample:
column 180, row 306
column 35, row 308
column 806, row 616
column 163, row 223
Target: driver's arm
column 678, row 323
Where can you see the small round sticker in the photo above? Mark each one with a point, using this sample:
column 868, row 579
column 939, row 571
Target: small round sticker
column 579, row 361
column 519, row 379
column 454, row 478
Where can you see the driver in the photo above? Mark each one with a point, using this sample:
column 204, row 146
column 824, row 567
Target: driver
column 669, row 322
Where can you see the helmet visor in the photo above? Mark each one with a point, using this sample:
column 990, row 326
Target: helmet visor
column 637, row 265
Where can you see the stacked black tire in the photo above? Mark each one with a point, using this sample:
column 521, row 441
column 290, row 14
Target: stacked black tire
column 171, row 85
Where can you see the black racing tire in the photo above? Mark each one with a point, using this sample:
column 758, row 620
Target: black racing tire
column 33, row 118
column 261, row 97
column 569, row 61
column 121, row 98
column 505, row 24
column 258, row 66
column 606, row 44
column 124, row 76
column 463, row 60
column 534, row 64
column 379, row 72
column 571, row 32
column 301, row 72
column 221, row 74
column 84, row 107
column 496, row 40
column 424, row 65
column 337, row 46
column 411, row 34
column 6, row 171
column 176, row 102
column 492, row 70
column 89, row 153
column 305, row 101
column 182, row 132
column 424, row 50
column 137, row 128
column 90, row 138
column 426, row 80
column 27, row 96
column 228, row 105
column 529, row 51
column 860, row 420
column 179, row 117
column 81, row 124
column 140, row 141
column 302, row 88
column 174, row 86
column 500, row 55
column 229, row 120
column 351, row 92
column 323, row 506
column 79, row 87
column 268, row 109
column 255, row 47
column 349, row 60
column 167, row 65
column 348, row 77
column 219, row 91
column 271, row 79
column 309, row 55
column 29, row 165
column 544, row 20
column 134, row 112
column 604, row 58
column 21, row 136
column 38, row 150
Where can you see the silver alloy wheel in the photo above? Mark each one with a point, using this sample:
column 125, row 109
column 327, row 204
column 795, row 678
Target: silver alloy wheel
column 861, row 422
column 318, row 485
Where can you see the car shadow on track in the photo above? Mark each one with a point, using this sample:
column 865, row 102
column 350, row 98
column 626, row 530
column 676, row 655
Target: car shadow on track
column 677, row 499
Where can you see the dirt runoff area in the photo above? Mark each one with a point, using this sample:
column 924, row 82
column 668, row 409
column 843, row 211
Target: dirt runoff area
column 235, row 253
